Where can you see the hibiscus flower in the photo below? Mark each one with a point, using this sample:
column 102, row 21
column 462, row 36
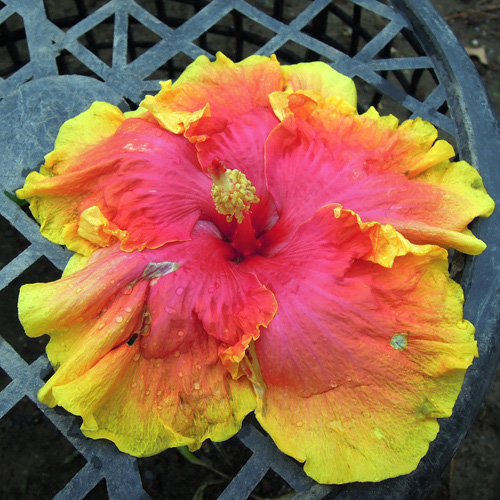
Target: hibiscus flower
column 246, row 241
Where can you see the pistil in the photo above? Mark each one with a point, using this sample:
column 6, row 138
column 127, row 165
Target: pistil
column 232, row 192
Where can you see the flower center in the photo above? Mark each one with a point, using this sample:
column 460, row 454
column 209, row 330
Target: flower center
column 232, row 192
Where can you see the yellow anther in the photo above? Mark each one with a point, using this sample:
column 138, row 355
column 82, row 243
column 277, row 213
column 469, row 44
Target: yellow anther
column 233, row 194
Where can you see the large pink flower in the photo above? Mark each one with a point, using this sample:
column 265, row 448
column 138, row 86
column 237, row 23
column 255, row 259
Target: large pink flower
column 246, row 241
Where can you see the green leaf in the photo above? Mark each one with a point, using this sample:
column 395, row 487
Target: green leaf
column 15, row 199
column 191, row 457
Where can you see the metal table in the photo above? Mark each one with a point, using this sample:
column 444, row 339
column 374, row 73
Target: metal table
column 58, row 57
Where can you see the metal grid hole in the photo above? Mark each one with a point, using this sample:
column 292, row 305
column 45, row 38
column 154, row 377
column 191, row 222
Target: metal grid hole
column 12, row 242
column 99, row 39
column 66, row 14
column 140, row 39
column 5, row 380
column 14, row 53
column 236, row 35
column 28, row 348
column 68, row 64
column 50, row 468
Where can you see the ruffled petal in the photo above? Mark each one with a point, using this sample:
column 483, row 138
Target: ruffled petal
column 348, row 155
column 220, row 89
column 173, row 322
column 320, row 77
column 145, row 405
column 361, row 358
column 142, row 186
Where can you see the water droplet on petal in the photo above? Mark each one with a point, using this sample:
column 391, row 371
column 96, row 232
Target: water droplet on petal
column 177, row 354
column 170, row 310
column 348, row 378
column 160, row 407
column 101, row 326
column 147, row 393
column 197, row 366
column 127, row 290
column 211, row 289
column 217, row 285
column 181, row 333
column 134, row 384
column 78, row 290
column 300, row 424
column 158, row 393
column 119, row 319
column 128, row 309
column 196, row 386
column 158, row 133
column 181, row 374
column 333, row 384
column 136, row 357
column 179, row 290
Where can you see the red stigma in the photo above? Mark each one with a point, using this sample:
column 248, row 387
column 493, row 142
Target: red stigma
column 216, row 168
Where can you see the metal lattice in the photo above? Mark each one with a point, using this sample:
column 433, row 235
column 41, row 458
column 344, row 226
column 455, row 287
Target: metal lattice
column 57, row 57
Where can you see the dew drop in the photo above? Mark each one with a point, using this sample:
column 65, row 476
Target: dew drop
column 153, row 281
column 217, row 285
column 136, row 357
column 119, row 319
column 127, row 290
column 179, row 290
column 181, row 333
column 170, row 310
column 112, row 282
column 101, row 326
column 159, row 133
column 348, row 378
column 300, row 424
column 134, row 384
column 333, row 384
column 158, row 393
column 196, row 386
column 160, row 407
column 197, row 366
column 177, row 354
column 128, row 309
column 211, row 289
column 78, row 290
column 181, row 374
column 463, row 325
column 147, row 393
